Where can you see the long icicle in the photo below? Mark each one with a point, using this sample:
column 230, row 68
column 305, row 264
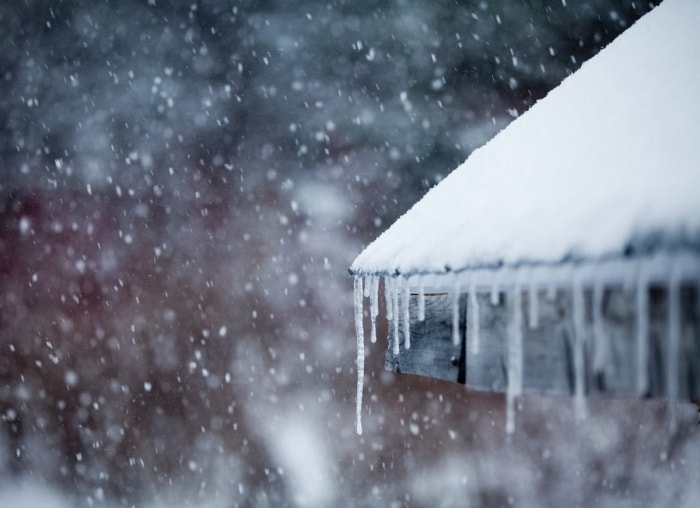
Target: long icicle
column 515, row 356
column 395, row 314
column 405, row 301
column 600, row 358
column 579, row 349
column 373, row 307
column 533, row 303
column 388, row 283
column 455, row 313
column 494, row 287
column 642, row 317
column 473, row 317
column 674, row 343
column 359, row 330
column 421, row 299
column 551, row 283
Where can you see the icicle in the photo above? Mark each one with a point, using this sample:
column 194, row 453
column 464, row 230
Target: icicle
column 388, row 289
column 534, row 308
column 551, row 285
column 373, row 307
column 510, row 412
column 367, row 281
column 395, row 314
column 579, row 350
column 629, row 277
column 494, row 288
column 359, row 330
column 406, row 315
column 473, row 317
column 600, row 358
column 421, row 300
column 518, row 339
column 515, row 357
column 642, row 317
column 674, row 340
column 455, row 313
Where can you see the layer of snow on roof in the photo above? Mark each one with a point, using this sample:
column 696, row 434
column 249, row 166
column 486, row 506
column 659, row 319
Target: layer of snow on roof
column 609, row 158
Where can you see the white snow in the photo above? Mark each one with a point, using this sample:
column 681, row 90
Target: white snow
column 608, row 159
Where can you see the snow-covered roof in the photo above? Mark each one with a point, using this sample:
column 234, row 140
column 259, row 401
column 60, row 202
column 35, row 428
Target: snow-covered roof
column 608, row 162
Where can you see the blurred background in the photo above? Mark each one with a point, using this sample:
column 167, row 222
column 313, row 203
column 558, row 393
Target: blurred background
column 182, row 188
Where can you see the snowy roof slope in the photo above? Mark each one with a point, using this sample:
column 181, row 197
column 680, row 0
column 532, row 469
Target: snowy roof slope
column 608, row 160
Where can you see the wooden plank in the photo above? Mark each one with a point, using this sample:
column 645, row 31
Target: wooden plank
column 432, row 352
column 488, row 370
column 610, row 357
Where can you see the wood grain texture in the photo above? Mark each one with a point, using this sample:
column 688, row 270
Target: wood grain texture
column 432, row 352
column 548, row 349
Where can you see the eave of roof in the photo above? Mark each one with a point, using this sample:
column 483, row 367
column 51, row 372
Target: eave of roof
column 605, row 167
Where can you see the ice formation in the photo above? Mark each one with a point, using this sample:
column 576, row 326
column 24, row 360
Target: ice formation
column 642, row 317
column 405, row 301
column 373, row 306
column 579, row 348
column 600, row 339
column 671, row 270
column 421, row 300
column 533, row 304
column 359, row 329
column 515, row 356
column 674, row 339
column 395, row 314
column 455, row 313
column 472, row 318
